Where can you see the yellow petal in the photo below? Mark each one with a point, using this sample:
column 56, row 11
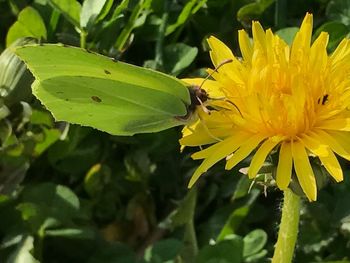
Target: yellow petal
column 219, row 51
column 335, row 124
column 332, row 142
column 343, row 138
column 315, row 146
column 341, row 52
column 284, row 167
column 318, row 54
column 332, row 165
column 245, row 46
column 305, row 32
column 326, row 156
column 261, row 154
column 258, row 35
column 232, row 71
column 226, row 145
column 202, row 137
column 245, row 149
column 304, row 171
column 302, row 40
column 215, row 153
column 194, row 81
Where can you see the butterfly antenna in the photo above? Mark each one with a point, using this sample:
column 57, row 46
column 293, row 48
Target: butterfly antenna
column 205, row 109
column 234, row 105
column 226, row 61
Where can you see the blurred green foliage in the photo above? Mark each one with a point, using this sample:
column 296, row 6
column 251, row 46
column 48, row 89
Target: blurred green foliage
column 73, row 194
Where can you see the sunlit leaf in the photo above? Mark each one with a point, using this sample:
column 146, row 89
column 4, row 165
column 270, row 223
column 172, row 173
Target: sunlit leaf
column 177, row 57
column 29, row 24
column 22, row 253
column 189, row 9
column 253, row 10
column 94, row 10
column 70, row 9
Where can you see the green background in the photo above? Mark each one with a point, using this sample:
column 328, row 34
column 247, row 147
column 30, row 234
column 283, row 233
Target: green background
column 74, row 194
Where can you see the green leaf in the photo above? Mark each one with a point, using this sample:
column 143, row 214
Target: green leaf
column 70, row 9
column 258, row 257
column 254, row 242
column 287, row 34
column 140, row 12
column 41, row 117
column 227, row 251
column 253, row 10
column 189, row 9
column 46, row 205
column 4, row 112
column 339, row 10
column 22, row 252
column 237, row 216
column 15, row 79
column 177, row 57
column 12, row 174
column 163, row 250
column 242, row 188
column 185, row 212
column 96, row 179
column 95, row 91
column 93, row 11
column 117, row 13
column 337, row 31
column 73, row 233
column 50, row 136
column 120, row 8
column 29, row 24
column 115, row 252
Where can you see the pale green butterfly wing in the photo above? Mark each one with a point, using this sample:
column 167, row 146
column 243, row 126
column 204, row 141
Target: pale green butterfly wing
column 93, row 90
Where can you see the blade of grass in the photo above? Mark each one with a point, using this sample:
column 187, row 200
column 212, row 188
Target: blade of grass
column 126, row 32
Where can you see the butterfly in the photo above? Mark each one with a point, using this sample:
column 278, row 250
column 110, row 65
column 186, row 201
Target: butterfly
column 86, row 88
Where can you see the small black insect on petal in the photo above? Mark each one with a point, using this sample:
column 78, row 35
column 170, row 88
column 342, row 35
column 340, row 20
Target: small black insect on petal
column 323, row 100
column 96, row 99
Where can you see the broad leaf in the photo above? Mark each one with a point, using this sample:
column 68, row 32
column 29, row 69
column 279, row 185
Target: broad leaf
column 70, row 9
column 253, row 10
column 94, row 10
column 339, row 10
column 28, row 24
column 178, row 56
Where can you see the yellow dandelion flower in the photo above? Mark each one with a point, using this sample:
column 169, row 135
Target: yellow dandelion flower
column 292, row 99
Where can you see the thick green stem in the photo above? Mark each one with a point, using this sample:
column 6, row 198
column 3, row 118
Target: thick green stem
column 191, row 237
column 83, row 35
column 288, row 231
